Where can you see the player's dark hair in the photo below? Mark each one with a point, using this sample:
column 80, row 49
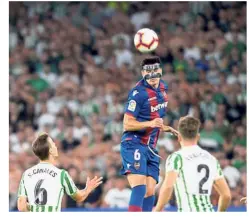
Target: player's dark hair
column 188, row 127
column 150, row 61
column 41, row 147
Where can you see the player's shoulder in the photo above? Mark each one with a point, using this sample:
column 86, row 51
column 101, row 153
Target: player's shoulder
column 164, row 85
column 139, row 86
column 41, row 166
column 138, row 90
column 179, row 152
column 176, row 154
column 27, row 172
column 212, row 157
column 205, row 151
column 209, row 155
column 174, row 160
column 30, row 169
column 58, row 170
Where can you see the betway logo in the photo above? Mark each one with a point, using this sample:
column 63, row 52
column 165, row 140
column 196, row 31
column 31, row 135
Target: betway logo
column 159, row 106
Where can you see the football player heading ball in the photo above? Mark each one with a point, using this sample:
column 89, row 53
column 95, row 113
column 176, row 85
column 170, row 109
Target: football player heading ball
column 146, row 106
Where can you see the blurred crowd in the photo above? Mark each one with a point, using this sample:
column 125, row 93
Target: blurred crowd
column 71, row 66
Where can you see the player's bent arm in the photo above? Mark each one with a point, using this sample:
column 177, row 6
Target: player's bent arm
column 223, row 190
column 131, row 124
column 22, row 204
column 166, row 190
column 80, row 195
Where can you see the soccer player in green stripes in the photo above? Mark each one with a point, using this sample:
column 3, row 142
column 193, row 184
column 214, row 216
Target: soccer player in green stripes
column 192, row 172
column 42, row 186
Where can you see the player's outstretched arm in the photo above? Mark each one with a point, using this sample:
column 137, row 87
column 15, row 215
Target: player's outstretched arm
column 172, row 166
column 81, row 195
column 131, row 124
column 166, row 190
column 222, row 188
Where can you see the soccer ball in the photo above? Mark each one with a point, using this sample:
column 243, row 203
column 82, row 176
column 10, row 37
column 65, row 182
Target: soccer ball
column 146, row 40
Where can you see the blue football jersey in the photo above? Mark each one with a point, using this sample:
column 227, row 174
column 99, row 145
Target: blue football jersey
column 146, row 103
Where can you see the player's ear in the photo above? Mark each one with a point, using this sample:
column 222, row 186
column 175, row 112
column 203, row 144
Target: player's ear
column 179, row 138
column 51, row 152
column 198, row 137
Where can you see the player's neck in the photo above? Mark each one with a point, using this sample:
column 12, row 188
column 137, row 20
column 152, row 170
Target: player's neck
column 50, row 160
column 188, row 143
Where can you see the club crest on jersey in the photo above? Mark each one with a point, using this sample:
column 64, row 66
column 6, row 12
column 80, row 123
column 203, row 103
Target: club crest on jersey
column 132, row 105
column 159, row 106
column 137, row 165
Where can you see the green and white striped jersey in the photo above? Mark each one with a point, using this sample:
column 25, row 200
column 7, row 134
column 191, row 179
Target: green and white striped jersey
column 197, row 170
column 44, row 186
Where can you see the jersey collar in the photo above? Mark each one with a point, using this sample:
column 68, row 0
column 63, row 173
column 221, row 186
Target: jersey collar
column 44, row 162
column 192, row 146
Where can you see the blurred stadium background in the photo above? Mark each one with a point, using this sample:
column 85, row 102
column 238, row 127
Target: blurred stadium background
column 71, row 67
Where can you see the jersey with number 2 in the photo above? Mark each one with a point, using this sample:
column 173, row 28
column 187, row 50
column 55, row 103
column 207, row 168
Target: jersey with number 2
column 197, row 170
column 44, row 185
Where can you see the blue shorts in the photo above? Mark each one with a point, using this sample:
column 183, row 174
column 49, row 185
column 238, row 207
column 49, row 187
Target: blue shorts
column 139, row 159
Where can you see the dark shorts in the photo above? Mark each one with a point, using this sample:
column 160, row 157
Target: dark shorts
column 139, row 159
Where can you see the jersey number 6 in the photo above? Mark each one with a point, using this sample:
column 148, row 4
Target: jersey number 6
column 41, row 195
column 204, row 179
column 137, row 155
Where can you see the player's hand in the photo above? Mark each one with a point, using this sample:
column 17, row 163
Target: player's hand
column 93, row 183
column 243, row 200
column 157, row 122
column 171, row 130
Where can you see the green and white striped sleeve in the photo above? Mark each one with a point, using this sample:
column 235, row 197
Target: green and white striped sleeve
column 68, row 183
column 21, row 190
column 219, row 173
column 174, row 163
